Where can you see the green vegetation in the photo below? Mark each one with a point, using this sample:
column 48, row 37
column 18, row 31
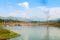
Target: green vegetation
column 7, row 34
column 55, row 24
column 6, row 21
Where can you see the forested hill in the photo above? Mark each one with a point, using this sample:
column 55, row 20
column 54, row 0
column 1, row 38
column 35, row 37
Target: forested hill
column 14, row 19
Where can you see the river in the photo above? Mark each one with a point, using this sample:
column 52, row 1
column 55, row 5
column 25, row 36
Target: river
column 35, row 32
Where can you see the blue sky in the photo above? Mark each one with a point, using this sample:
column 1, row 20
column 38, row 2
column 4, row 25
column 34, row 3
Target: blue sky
column 31, row 9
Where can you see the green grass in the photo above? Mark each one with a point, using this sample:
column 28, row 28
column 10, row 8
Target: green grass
column 55, row 24
column 7, row 34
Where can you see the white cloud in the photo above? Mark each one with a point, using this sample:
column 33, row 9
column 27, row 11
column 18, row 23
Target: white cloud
column 54, row 13
column 13, row 14
column 24, row 15
column 43, row 8
column 19, row 4
column 39, row 12
column 24, row 4
column 43, row 12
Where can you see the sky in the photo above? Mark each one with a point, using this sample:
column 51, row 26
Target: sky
column 31, row 9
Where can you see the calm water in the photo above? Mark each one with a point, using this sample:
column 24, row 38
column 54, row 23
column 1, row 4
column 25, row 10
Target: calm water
column 35, row 32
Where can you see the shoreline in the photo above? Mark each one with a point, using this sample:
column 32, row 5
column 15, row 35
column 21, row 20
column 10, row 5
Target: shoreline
column 7, row 34
column 29, row 24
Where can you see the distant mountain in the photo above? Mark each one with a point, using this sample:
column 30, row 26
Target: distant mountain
column 26, row 19
column 58, row 19
column 55, row 20
column 16, row 18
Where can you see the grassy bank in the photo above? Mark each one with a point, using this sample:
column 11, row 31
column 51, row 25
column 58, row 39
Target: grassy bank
column 7, row 34
column 55, row 24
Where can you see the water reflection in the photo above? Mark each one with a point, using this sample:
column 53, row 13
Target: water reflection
column 35, row 33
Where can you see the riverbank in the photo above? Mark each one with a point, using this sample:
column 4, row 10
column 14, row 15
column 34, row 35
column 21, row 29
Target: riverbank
column 7, row 34
column 23, row 24
column 29, row 24
column 55, row 24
